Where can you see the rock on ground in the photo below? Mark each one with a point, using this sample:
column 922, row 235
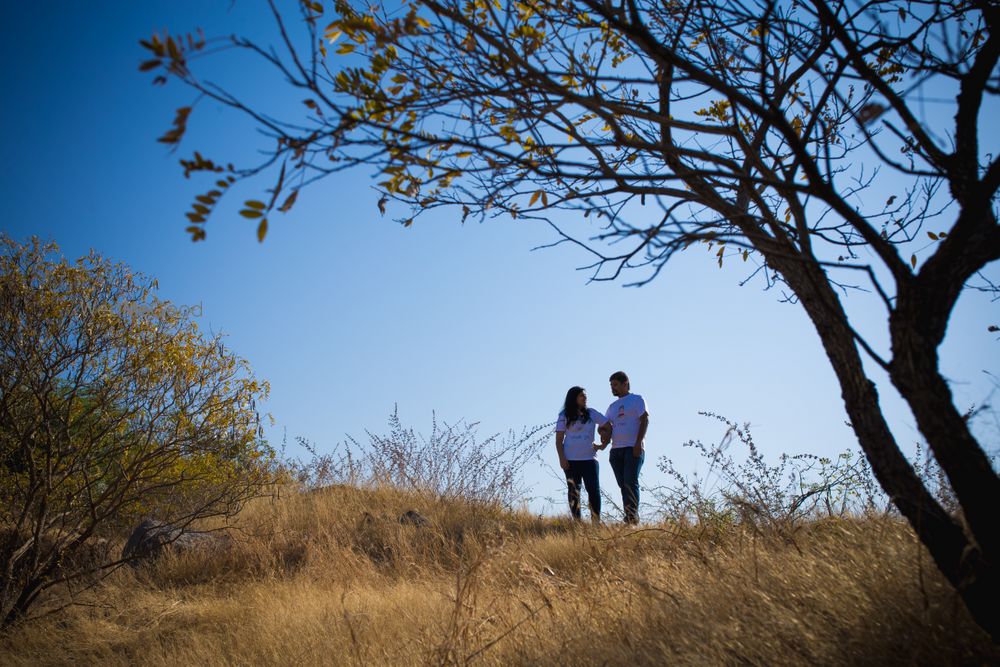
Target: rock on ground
column 151, row 539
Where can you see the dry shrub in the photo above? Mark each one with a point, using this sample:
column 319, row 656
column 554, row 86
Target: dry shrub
column 741, row 487
column 452, row 462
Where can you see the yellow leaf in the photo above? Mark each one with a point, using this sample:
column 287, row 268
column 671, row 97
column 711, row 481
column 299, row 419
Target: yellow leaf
column 289, row 202
column 345, row 48
column 262, row 230
column 913, row 261
column 534, row 198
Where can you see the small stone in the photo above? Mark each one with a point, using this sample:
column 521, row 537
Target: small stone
column 414, row 518
column 151, row 538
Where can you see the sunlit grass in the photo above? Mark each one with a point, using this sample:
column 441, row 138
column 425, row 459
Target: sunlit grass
column 333, row 577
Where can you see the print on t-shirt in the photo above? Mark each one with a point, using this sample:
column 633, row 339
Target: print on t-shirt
column 624, row 414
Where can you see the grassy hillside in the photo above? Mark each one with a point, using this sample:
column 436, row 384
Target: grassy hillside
column 333, row 577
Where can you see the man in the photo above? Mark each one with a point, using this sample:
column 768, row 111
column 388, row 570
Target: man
column 626, row 429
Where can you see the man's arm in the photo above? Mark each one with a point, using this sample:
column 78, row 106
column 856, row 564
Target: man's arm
column 643, row 423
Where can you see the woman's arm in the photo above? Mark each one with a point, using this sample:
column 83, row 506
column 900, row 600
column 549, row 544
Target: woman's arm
column 563, row 463
column 605, row 431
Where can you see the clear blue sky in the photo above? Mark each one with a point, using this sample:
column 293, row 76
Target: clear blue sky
column 347, row 313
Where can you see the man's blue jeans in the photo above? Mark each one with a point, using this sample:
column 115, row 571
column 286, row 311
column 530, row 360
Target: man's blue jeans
column 627, row 466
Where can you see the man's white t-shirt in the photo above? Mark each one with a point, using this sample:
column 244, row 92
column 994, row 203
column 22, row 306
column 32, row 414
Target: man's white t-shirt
column 578, row 443
column 624, row 415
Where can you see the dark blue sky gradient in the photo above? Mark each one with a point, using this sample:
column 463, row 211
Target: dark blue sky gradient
column 348, row 313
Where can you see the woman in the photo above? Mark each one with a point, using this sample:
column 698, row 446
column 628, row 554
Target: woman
column 578, row 452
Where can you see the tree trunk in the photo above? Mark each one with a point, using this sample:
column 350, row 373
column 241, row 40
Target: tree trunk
column 973, row 576
column 18, row 609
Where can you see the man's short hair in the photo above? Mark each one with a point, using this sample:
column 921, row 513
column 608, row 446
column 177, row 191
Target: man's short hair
column 618, row 376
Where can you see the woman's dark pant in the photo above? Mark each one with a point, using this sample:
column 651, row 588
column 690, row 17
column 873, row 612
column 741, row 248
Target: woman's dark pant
column 585, row 471
column 627, row 466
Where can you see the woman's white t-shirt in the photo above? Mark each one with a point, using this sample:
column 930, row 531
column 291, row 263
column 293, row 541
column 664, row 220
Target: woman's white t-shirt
column 578, row 443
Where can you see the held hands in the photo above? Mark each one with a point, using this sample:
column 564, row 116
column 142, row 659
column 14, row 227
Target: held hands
column 601, row 446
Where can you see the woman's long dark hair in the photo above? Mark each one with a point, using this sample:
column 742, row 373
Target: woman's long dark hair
column 570, row 408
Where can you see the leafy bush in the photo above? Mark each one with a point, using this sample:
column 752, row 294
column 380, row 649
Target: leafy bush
column 113, row 406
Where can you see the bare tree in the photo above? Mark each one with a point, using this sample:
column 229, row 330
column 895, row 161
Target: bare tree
column 787, row 133
column 113, row 406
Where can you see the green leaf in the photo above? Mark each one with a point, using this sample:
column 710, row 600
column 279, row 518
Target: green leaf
column 253, row 203
column 247, row 213
column 262, row 230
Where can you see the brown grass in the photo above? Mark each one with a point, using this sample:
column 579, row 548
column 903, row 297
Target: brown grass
column 333, row 577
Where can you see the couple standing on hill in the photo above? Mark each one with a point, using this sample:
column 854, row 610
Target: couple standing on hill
column 623, row 425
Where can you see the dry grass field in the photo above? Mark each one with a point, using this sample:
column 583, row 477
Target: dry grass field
column 333, row 577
